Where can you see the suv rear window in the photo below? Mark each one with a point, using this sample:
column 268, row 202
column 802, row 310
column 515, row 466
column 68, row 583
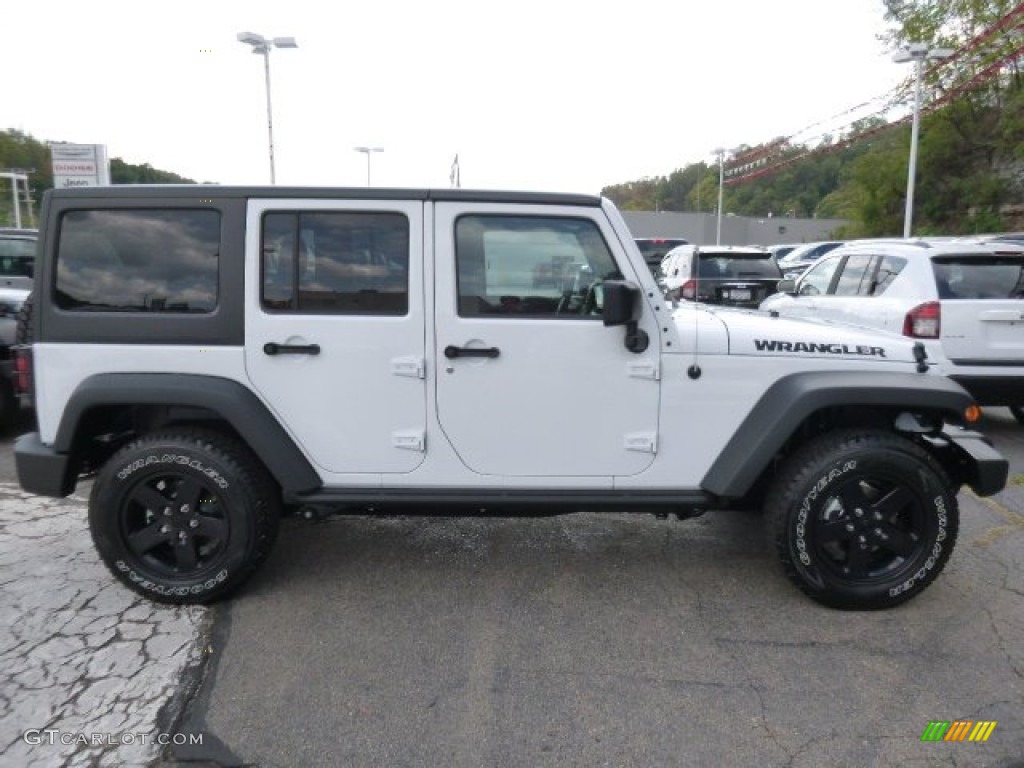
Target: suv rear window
column 17, row 256
column 988, row 277
column 738, row 265
column 138, row 260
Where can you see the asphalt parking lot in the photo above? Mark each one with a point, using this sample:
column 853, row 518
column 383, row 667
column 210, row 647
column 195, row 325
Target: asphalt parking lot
column 579, row 640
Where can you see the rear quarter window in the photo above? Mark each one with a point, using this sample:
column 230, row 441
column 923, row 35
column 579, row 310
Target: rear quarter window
column 138, row 260
column 986, row 277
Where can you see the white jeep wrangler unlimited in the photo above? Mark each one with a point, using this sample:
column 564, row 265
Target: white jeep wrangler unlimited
column 218, row 355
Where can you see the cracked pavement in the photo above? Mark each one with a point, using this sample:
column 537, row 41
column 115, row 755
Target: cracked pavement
column 596, row 640
column 80, row 654
column 587, row 640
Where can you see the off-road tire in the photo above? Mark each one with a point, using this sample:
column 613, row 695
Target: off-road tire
column 862, row 519
column 184, row 515
column 23, row 331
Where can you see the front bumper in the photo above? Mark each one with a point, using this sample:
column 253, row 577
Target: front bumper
column 41, row 470
column 985, row 468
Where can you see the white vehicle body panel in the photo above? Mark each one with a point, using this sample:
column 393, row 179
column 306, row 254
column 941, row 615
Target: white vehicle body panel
column 564, row 406
column 554, row 382
column 978, row 338
column 359, row 406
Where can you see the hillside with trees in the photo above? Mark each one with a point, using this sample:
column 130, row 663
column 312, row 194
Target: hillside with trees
column 19, row 151
column 970, row 154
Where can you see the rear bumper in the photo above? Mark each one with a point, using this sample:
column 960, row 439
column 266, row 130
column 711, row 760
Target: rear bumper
column 987, row 389
column 41, row 470
column 985, row 468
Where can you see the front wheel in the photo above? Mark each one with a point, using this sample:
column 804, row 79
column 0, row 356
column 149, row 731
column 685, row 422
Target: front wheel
column 862, row 519
column 1018, row 413
column 183, row 516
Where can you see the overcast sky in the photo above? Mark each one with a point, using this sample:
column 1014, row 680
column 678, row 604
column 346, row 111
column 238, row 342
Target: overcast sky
column 559, row 95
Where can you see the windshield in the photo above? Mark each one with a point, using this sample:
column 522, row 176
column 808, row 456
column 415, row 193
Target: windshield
column 17, row 256
column 806, row 252
column 654, row 249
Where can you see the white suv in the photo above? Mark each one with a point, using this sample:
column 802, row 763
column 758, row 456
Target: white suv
column 213, row 356
column 963, row 299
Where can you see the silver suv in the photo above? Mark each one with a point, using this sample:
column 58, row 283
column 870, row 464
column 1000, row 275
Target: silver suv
column 963, row 299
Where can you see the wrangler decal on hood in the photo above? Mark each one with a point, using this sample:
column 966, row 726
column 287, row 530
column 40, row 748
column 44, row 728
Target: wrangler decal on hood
column 773, row 345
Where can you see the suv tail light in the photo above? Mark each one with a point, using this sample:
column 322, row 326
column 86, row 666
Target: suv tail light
column 689, row 290
column 22, row 369
column 924, row 321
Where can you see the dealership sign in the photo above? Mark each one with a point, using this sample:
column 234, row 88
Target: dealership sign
column 80, row 165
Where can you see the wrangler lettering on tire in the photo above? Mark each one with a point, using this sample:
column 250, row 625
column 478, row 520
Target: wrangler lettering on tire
column 862, row 519
column 183, row 516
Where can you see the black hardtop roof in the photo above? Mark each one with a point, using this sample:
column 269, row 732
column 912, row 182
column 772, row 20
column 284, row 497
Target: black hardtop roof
column 201, row 191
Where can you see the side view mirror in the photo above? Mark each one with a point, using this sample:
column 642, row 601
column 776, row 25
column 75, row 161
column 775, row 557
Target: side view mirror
column 787, row 286
column 622, row 306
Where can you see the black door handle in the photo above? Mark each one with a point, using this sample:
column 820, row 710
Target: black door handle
column 451, row 352
column 273, row 348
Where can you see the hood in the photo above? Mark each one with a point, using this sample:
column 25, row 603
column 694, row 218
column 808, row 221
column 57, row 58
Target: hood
column 756, row 333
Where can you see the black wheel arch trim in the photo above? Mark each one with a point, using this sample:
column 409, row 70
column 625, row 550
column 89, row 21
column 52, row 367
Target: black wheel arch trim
column 231, row 400
column 792, row 399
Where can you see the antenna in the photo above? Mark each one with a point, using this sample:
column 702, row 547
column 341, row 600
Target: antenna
column 694, row 371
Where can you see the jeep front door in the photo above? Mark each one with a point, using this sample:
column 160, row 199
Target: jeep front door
column 529, row 380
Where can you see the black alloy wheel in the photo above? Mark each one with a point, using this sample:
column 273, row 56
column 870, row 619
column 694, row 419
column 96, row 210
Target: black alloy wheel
column 184, row 516
column 863, row 519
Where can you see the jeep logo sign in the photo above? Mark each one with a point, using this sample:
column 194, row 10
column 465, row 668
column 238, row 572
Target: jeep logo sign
column 80, row 165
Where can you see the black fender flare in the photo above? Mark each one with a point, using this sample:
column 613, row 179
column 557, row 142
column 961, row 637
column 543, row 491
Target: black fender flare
column 792, row 399
column 232, row 401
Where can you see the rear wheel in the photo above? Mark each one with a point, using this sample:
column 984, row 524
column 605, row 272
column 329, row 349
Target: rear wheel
column 183, row 516
column 1018, row 413
column 863, row 519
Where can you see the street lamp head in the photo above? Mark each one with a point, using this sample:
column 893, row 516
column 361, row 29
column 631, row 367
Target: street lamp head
column 920, row 52
column 285, row 42
column 251, row 38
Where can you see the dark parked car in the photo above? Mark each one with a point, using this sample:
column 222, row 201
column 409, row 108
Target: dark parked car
column 720, row 274
column 654, row 249
column 17, row 265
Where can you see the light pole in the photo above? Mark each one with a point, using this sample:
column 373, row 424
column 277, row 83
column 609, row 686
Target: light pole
column 721, row 182
column 262, row 45
column 368, row 151
column 917, row 53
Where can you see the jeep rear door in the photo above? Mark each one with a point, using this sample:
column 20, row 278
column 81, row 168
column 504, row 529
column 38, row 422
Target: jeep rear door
column 334, row 337
column 982, row 307
column 529, row 380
